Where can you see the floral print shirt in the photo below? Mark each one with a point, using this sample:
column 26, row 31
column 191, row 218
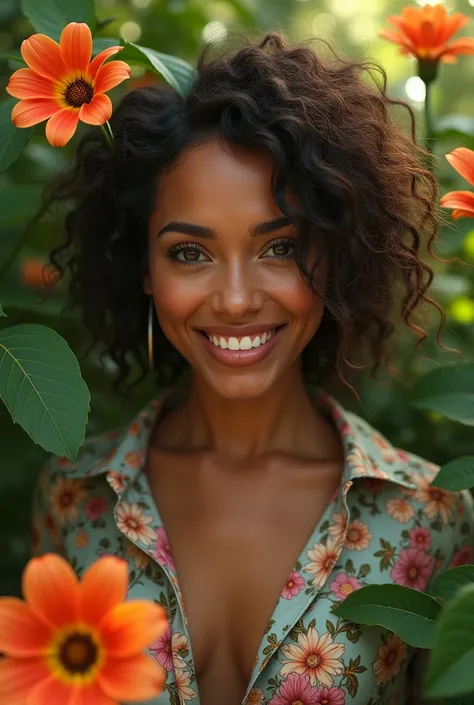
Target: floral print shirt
column 386, row 524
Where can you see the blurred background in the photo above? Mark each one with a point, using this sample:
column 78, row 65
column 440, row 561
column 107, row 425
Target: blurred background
column 181, row 27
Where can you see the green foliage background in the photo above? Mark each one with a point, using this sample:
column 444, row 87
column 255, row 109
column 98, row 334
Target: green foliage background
column 180, row 27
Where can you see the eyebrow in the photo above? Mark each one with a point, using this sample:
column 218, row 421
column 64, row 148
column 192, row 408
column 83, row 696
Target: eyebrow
column 268, row 226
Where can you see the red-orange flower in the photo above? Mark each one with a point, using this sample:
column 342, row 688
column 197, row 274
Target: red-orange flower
column 78, row 643
column 63, row 84
column 424, row 32
column 38, row 274
column 462, row 159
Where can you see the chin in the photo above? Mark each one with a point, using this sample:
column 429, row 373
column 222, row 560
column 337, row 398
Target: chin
column 244, row 385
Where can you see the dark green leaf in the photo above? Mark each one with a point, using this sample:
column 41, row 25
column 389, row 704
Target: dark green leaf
column 456, row 475
column 42, row 387
column 409, row 613
column 449, row 391
column 102, row 43
column 12, row 139
column 178, row 73
column 13, row 55
column 2, row 312
column 51, row 16
column 18, row 203
column 450, row 670
column 448, row 584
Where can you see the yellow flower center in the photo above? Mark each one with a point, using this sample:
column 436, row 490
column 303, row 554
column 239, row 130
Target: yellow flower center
column 413, row 572
column 78, row 92
column 346, row 588
column 313, row 660
column 75, row 655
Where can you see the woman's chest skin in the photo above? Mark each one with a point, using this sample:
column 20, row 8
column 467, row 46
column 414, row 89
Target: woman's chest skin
column 235, row 536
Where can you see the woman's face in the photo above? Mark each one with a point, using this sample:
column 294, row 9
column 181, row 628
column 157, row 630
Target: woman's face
column 222, row 264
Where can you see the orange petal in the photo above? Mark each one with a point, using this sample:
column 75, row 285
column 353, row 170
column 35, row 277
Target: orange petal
column 50, row 691
column 62, row 126
column 103, row 586
column 137, row 678
column 76, row 46
column 98, row 60
column 51, row 588
column 457, row 214
column 25, row 83
column 42, row 54
column 111, row 75
column 97, row 111
column 32, row 111
column 462, row 159
column 18, row 677
column 460, row 46
column 132, row 626
column 89, row 695
column 21, row 632
column 459, row 200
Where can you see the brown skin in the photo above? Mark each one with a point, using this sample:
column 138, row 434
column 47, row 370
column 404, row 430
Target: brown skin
column 246, row 446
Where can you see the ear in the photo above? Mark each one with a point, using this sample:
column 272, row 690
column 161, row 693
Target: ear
column 147, row 285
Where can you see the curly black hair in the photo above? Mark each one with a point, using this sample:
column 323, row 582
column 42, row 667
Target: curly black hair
column 365, row 198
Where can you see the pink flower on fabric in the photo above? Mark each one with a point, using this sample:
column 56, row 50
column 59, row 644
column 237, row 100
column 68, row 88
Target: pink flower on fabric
column 413, row 569
column 296, row 689
column 343, row 585
column 330, row 696
column 462, row 557
column 95, row 508
column 403, row 455
column 420, row 538
column 162, row 650
column 162, row 551
column 294, row 585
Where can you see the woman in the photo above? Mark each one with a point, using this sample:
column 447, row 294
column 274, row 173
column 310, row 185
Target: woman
column 256, row 236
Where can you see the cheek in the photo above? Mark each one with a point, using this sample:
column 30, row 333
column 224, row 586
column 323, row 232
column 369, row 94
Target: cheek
column 299, row 300
column 176, row 299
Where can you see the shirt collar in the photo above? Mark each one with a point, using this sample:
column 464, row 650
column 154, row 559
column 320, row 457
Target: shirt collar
column 122, row 453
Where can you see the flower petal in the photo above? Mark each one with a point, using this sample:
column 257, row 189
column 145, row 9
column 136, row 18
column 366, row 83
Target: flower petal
column 111, row 75
column 462, row 159
column 25, row 83
column 42, row 54
column 465, row 45
column 91, row 694
column 62, row 126
column 137, row 678
column 131, row 626
column 103, row 586
column 76, row 46
column 18, row 677
column 51, row 691
column 462, row 200
column 51, row 588
column 98, row 60
column 97, row 111
column 21, row 632
column 32, row 111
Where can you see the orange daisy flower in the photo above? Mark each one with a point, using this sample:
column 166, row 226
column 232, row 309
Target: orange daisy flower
column 424, row 32
column 461, row 159
column 63, row 84
column 78, row 642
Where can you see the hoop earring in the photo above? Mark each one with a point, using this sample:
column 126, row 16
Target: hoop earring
column 150, row 335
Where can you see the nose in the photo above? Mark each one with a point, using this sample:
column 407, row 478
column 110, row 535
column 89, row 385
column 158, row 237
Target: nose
column 237, row 291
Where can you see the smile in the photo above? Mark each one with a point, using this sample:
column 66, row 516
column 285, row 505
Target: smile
column 241, row 351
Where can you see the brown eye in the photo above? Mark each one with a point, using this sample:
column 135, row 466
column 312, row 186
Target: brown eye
column 283, row 248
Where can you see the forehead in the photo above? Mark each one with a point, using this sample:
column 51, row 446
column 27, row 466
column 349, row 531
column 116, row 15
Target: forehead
column 217, row 178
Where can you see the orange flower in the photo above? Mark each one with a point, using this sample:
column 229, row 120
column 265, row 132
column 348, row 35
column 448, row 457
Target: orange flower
column 38, row 274
column 63, row 84
column 424, row 32
column 461, row 159
column 78, row 642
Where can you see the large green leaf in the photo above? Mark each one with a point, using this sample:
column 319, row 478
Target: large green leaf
column 18, row 203
column 449, row 391
column 456, row 475
column 51, row 16
column 409, row 613
column 450, row 671
column 12, row 139
column 2, row 312
column 448, row 584
column 178, row 73
column 42, row 387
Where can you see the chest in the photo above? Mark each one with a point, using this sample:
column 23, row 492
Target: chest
column 234, row 542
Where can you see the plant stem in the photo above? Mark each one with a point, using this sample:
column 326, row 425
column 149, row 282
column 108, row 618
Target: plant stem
column 109, row 135
column 428, row 119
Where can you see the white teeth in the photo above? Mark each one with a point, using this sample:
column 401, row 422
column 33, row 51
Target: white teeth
column 246, row 343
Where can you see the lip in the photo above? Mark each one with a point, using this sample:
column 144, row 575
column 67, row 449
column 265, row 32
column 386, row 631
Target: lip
column 240, row 331
column 241, row 358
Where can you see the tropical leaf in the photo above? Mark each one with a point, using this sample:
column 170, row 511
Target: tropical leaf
column 456, row 475
column 449, row 391
column 12, row 139
column 51, row 16
column 42, row 387
column 448, row 584
column 178, row 73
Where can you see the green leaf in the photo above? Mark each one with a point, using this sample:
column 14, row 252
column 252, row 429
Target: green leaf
column 2, row 312
column 102, row 43
column 456, row 475
column 12, row 139
column 13, row 55
column 51, row 16
column 450, row 670
column 409, row 613
column 42, row 387
column 449, row 391
column 18, row 203
column 178, row 73
column 448, row 584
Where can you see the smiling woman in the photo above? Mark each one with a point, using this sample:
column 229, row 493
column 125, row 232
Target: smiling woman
column 261, row 234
